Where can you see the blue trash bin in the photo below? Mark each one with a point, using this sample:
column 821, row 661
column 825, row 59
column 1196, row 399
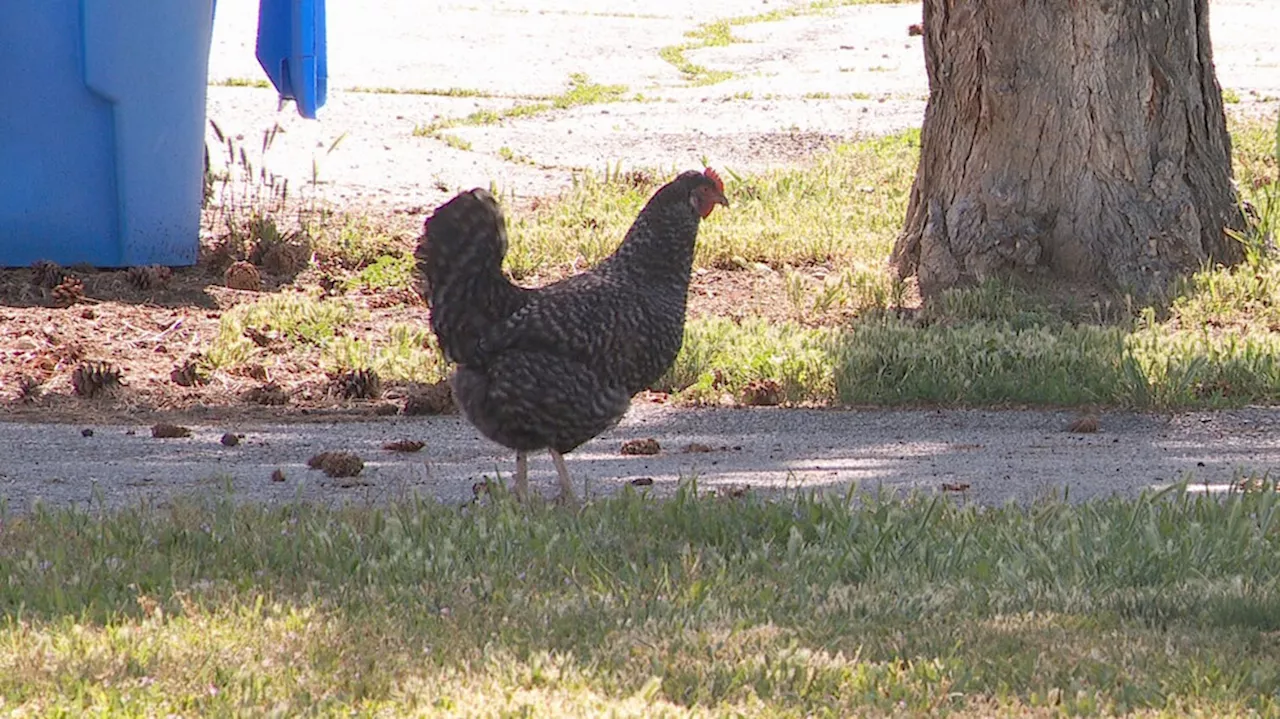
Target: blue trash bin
column 291, row 50
column 102, row 113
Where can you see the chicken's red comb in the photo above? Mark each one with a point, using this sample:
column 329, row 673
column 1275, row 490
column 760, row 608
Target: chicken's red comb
column 714, row 176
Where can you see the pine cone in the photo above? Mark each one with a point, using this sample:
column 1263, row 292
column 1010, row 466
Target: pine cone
column 268, row 394
column 91, row 378
column 188, row 374
column 360, row 384
column 29, row 389
column 149, row 277
column 762, row 393
column 432, row 399
column 285, row 258
column 68, row 292
column 648, row 445
column 243, row 276
column 337, row 464
column 47, row 274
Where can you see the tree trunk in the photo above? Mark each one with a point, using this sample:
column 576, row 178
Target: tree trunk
column 1078, row 140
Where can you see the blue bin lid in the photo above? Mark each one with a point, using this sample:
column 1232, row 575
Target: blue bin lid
column 291, row 50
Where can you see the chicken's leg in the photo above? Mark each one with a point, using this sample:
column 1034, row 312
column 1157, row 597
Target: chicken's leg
column 567, row 497
column 522, row 475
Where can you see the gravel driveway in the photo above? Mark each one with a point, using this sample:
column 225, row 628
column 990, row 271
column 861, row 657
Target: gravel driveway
column 1000, row 456
column 799, row 84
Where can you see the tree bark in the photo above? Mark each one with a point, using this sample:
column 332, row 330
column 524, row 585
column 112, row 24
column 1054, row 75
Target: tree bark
column 1079, row 140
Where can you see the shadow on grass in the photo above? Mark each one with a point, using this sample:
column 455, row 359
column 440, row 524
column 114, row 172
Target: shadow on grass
column 806, row 604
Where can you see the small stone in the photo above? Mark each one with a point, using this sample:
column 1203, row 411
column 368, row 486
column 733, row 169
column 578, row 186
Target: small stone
column 1087, row 424
column 404, row 445
column 337, row 464
column 230, row 440
column 86, row 432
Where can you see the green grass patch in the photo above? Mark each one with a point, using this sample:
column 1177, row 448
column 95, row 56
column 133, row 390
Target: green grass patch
column 509, row 155
column 1017, row 359
column 807, row 606
column 454, row 141
column 719, row 33
column 388, row 272
column 241, row 82
column 845, row 209
column 1214, row 346
column 316, row 332
column 581, row 91
column 438, row 92
column 692, row 72
column 353, row 242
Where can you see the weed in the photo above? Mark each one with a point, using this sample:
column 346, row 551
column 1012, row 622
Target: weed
column 509, row 155
column 454, row 141
column 388, row 272
column 581, row 91
column 241, row 82
column 719, row 33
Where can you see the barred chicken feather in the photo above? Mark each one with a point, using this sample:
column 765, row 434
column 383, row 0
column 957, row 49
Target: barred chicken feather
column 552, row 367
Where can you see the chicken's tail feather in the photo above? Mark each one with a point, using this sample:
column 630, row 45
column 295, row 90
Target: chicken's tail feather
column 459, row 260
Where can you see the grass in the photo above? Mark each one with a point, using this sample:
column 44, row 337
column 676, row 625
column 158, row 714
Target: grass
column 581, row 91
column 1213, row 345
column 388, row 272
column 435, row 91
column 845, row 209
column 241, row 82
column 454, row 141
column 807, row 606
column 890, row 361
column 509, row 155
column 315, row 332
column 719, row 33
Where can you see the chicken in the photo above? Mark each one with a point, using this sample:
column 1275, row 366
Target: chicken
column 552, row 367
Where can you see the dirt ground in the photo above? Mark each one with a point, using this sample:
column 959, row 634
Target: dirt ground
column 799, row 84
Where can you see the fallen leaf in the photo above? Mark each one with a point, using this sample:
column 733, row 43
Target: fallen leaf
column 1087, row 424
column 169, row 431
column 404, row 445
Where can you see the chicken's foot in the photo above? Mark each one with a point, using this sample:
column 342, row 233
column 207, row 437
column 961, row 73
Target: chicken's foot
column 567, row 497
column 522, row 475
